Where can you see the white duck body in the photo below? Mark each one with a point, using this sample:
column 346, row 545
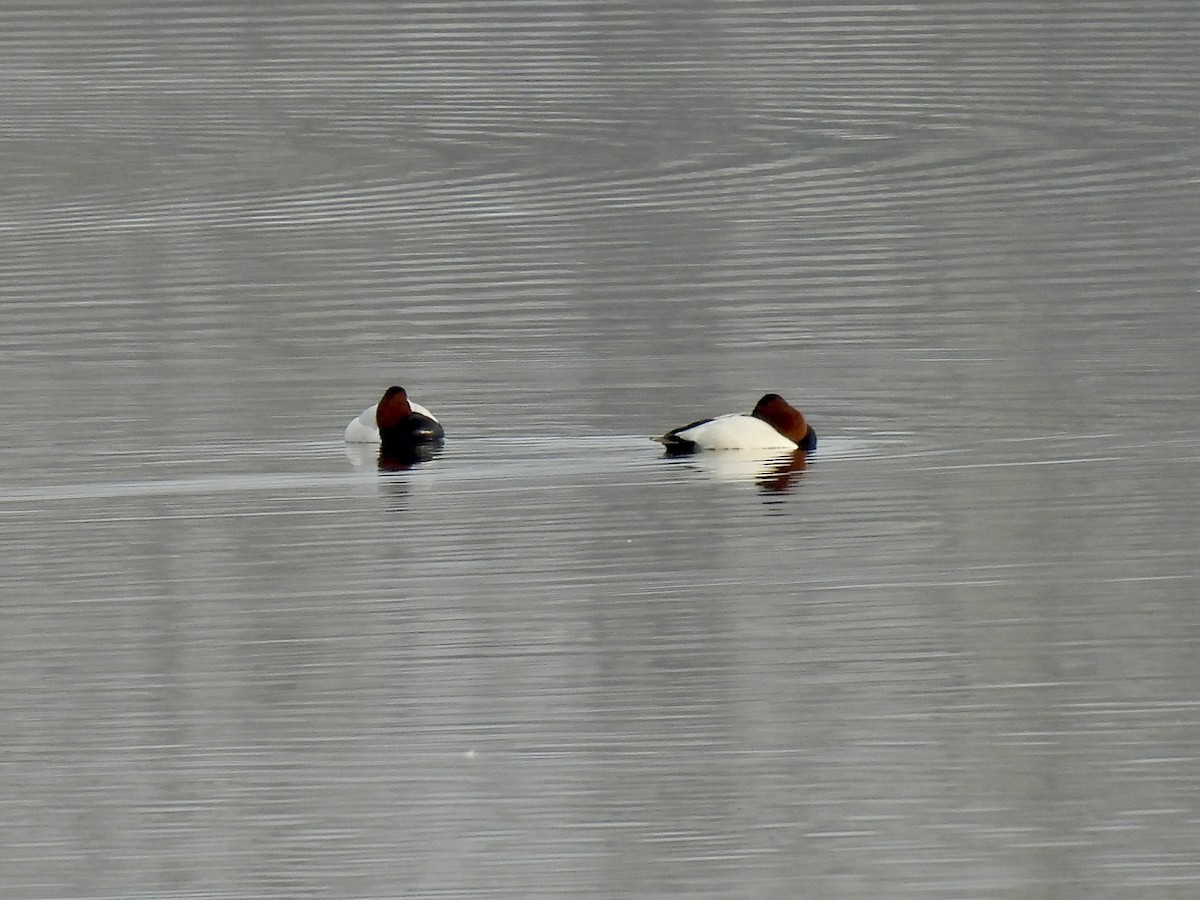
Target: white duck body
column 364, row 430
column 735, row 432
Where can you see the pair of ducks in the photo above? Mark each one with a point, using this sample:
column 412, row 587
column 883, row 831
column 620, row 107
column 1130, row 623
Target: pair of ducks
column 398, row 424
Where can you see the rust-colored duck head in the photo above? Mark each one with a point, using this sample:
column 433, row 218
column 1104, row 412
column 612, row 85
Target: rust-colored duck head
column 393, row 408
column 400, row 426
column 787, row 420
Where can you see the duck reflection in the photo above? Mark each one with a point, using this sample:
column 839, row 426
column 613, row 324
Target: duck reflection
column 401, row 459
column 773, row 472
column 785, row 474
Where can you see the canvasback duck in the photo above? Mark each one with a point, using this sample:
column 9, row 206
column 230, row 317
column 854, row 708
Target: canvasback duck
column 395, row 422
column 774, row 424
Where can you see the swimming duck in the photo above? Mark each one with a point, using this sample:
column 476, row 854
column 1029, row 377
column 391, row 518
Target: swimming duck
column 395, row 422
column 773, row 424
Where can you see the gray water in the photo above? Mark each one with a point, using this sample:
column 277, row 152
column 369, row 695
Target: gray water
column 956, row 655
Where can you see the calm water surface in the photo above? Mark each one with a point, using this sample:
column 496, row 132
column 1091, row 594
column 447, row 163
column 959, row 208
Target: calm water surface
column 955, row 655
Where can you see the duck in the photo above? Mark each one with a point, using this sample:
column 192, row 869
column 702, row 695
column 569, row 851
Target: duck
column 773, row 424
column 395, row 423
